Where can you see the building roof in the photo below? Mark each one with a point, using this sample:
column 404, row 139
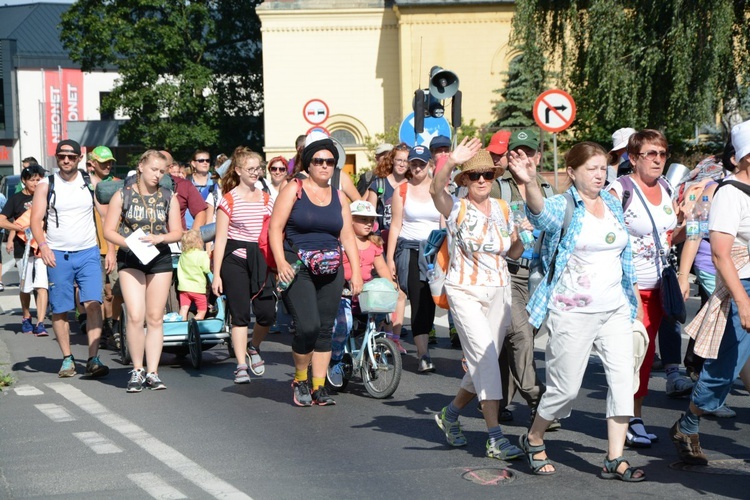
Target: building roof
column 36, row 30
column 353, row 4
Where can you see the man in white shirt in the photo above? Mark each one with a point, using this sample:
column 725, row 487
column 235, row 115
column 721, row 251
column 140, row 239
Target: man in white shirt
column 70, row 251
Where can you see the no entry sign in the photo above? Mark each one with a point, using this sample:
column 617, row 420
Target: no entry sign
column 554, row 110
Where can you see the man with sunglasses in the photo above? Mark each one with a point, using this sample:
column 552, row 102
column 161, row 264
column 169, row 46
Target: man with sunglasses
column 69, row 250
column 190, row 200
column 517, row 357
column 201, row 179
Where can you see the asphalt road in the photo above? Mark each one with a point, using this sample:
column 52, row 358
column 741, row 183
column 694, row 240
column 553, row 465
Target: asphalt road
column 205, row 437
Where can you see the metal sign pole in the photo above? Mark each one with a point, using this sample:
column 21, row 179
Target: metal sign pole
column 554, row 145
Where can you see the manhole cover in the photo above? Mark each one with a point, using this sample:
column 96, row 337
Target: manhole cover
column 489, row 476
column 732, row 467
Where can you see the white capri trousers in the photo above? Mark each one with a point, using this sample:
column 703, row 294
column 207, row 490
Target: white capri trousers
column 572, row 335
column 36, row 274
column 481, row 315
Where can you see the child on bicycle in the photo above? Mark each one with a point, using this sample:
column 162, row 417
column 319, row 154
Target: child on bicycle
column 191, row 275
column 370, row 248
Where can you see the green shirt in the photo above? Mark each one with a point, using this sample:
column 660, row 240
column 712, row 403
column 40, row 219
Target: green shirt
column 192, row 270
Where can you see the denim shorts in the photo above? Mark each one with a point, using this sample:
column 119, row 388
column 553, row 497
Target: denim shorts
column 82, row 267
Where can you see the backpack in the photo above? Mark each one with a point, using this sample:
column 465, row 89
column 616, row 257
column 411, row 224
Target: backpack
column 380, row 202
column 505, row 192
column 536, row 268
column 263, row 242
column 51, row 197
column 443, row 255
column 364, row 182
column 628, row 185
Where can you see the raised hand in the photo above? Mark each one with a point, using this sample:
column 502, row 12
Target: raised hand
column 466, row 150
column 522, row 166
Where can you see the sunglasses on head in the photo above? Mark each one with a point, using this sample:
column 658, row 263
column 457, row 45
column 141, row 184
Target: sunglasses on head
column 319, row 162
column 474, row 176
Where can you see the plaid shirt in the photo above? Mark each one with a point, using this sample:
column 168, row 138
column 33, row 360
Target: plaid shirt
column 707, row 328
column 550, row 220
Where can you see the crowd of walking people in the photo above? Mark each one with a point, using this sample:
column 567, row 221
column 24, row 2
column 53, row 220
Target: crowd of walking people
column 587, row 265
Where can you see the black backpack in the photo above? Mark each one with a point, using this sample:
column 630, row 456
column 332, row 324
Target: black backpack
column 51, row 197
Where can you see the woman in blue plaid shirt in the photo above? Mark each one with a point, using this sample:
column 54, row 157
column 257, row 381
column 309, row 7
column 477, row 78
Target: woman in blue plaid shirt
column 589, row 299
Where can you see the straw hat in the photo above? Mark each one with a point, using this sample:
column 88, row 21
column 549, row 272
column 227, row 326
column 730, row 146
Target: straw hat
column 481, row 162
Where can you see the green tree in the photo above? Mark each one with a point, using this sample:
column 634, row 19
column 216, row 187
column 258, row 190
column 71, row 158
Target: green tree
column 668, row 64
column 189, row 72
column 523, row 84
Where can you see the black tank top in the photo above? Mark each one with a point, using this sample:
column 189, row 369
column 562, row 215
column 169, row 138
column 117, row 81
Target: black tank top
column 312, row 227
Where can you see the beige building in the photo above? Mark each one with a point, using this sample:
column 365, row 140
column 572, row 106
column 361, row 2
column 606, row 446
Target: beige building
column 358, row 63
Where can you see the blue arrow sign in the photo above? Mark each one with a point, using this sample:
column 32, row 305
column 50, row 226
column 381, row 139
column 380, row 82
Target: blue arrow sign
column 433, row 127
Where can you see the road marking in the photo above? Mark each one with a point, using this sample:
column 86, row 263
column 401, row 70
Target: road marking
column 100, row 444
column 56, row 413
column 155, row 486
column 161, row 451
column 27, row 390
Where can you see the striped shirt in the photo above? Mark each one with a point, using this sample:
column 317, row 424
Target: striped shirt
column 245, row 218
column 551, row 221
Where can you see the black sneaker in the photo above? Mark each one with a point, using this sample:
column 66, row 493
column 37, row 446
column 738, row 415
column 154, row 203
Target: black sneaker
column 425, row 365
column 322, row 398
column 95, row 368
column 302, row 393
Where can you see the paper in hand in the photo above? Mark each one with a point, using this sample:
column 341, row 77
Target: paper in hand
column 146, row 252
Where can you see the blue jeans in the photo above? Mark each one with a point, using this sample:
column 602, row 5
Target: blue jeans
column 718, row 374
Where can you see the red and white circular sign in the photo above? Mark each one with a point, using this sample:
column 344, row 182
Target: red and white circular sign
column 554, row 110
column 315, row 111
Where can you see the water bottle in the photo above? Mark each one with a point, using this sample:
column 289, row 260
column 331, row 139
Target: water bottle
column 527, row 237
column 430, row 273
column 705, row 207
column 283, row 285
column 692, row 224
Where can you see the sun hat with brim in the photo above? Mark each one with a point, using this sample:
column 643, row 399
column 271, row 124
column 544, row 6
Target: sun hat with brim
column 102, row 154
column 620, row 138
column 363, row 208
column 481, row 162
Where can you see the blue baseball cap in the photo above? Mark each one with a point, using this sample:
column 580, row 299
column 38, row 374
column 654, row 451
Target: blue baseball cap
column 440, row 141
column 419, row 153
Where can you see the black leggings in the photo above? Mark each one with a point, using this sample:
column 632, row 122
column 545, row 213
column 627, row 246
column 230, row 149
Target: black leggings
column 420, row 298
column 235, row 276
column 313, row 302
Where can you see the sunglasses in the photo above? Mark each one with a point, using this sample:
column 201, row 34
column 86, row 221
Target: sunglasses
column 61, row 156
column 201, row 160
column 277, row 169
column 474, row 176
column 319, row 162
column 652, row 155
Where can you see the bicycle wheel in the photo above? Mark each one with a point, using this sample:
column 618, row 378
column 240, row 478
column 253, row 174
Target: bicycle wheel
column 381, row 379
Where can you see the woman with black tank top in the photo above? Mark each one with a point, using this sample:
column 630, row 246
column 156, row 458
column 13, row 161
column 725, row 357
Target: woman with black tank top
column 314, row 218
column 145, row 287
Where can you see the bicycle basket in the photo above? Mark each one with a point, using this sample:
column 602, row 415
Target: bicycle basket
column 378, row 295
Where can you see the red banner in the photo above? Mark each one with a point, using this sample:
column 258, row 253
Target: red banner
column 63, row 104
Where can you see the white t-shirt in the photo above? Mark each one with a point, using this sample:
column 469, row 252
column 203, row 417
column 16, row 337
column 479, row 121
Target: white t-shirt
column 479, row 246
column 642, row 232
column 730, row 214
column 591, row 282
column 420, row 218
column 70, row 219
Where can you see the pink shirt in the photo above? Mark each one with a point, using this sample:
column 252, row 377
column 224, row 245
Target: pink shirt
column 366, row 261
column 245, row 218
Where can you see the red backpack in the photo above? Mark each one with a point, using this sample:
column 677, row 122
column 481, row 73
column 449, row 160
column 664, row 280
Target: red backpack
column 263, row 243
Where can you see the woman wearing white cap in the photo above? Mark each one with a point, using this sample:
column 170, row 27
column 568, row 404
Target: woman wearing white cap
column 721, row 327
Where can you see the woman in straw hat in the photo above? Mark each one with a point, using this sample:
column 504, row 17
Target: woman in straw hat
column 477, row 285
column 589, row 297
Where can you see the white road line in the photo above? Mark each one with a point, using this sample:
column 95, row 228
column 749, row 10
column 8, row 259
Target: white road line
column 156, row 486
column 56, row 413
column 161, row 451
column 27, row 390
column 100, row 444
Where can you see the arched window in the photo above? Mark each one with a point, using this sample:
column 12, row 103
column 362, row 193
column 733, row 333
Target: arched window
column 344, row 137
